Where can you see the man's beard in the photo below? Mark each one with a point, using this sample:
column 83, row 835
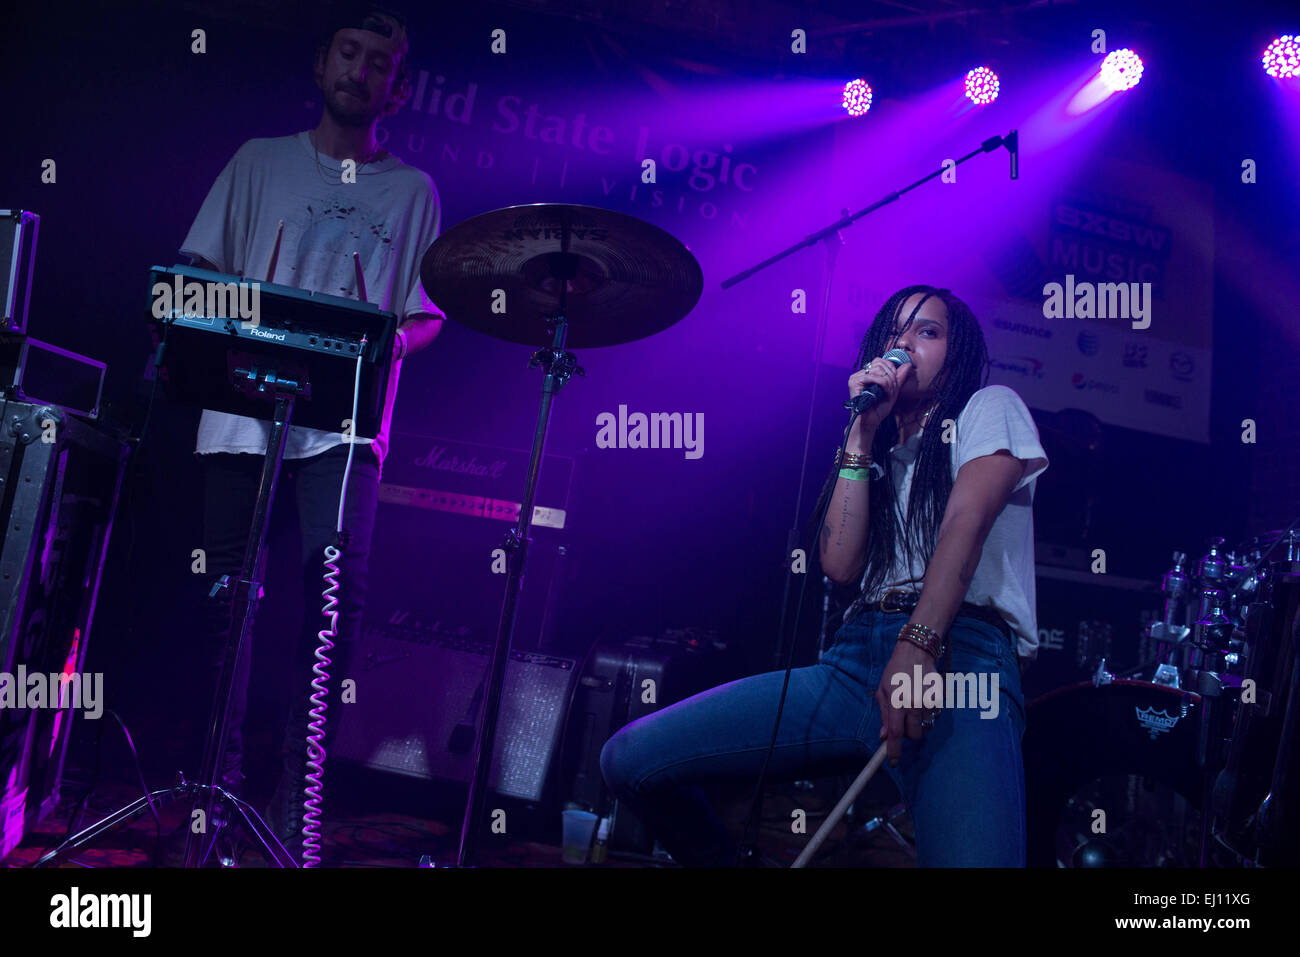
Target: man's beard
column 359, row 116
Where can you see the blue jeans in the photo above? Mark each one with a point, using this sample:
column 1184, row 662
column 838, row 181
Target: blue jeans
column 963, row 782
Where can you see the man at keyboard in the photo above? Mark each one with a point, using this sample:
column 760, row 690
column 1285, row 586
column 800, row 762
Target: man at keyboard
column 327, row 210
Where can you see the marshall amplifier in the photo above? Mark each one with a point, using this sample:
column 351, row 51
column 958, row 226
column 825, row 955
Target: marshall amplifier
column 444, row 508
column 420, row 692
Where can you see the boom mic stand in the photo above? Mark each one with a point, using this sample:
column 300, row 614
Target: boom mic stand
column 830, row 236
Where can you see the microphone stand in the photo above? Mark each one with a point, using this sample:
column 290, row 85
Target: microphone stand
column 830, row 236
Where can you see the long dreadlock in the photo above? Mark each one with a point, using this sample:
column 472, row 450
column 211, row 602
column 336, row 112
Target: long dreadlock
column 965, row 370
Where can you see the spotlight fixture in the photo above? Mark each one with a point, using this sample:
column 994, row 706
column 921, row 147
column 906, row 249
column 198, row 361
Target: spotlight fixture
column 1282, row 58
column 1121, row 70
column 857, row 97
column 982, row 86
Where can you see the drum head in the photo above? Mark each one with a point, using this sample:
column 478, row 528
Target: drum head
column 1111, row 777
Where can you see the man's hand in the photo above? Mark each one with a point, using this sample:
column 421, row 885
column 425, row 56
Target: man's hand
column 419, row 330
column 897, row 721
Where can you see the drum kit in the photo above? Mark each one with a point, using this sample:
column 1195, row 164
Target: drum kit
column 1188, row 766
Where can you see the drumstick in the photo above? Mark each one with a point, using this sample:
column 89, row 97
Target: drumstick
column 275, row 253
column 850, row 796
column 361, row 279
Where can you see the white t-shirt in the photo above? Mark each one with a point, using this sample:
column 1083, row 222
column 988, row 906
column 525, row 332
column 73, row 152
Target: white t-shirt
column 389, row 216
column 995, row 418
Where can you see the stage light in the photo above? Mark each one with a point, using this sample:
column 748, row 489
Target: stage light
column 1282, row 58
column 982, row 86
column 857, row 97
column 1121, row 70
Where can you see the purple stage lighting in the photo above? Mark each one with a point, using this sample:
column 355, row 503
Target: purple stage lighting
column 1282, row 58
column 1121, row 70
column 857, row 97
column 982, row 86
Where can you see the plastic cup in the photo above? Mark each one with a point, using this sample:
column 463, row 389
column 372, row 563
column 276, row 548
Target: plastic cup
column 579, row 828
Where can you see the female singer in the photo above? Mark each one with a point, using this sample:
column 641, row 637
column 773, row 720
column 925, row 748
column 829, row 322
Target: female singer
column 930, row 512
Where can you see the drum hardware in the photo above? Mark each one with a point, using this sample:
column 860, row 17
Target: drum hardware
column 1166, row 675
column 1221, row 751
column 567, row 275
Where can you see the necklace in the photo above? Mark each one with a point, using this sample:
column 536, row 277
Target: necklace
column 925, row 418
column 319, row 165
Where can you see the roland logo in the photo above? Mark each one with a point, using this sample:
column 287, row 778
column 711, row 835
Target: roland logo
column 266, row 334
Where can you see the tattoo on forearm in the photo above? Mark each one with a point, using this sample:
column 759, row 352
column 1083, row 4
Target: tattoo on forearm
column 844, row 518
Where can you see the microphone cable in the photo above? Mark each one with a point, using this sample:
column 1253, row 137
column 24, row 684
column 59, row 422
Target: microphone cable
column 899, row 358
column 751, row 824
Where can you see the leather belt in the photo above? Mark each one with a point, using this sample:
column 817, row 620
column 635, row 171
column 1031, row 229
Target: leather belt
column 900, row 601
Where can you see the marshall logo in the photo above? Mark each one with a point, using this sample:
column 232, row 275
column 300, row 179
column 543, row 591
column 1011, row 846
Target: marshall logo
column 1156, row 722
column 439, row 459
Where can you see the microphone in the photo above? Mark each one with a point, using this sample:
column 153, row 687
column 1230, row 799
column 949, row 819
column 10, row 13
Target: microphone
column 1012, row 142
column 874, row 393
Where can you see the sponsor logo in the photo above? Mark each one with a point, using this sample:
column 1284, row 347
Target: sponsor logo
column 1021, row 365
column 1085, row 384
column 1156, row 722
column 1182, row 366
column 1167, row 399
column 1023, row 328
column 1135, row 355
column 1112, row 228
column 1089, row 344
column 1051, row 639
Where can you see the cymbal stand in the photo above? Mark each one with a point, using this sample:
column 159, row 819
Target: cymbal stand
column 559, row 366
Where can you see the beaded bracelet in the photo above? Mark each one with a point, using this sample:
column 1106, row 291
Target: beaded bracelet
column 923, row 637
column 853, row 460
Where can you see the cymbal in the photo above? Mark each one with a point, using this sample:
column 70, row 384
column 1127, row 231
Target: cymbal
column 623, row 279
